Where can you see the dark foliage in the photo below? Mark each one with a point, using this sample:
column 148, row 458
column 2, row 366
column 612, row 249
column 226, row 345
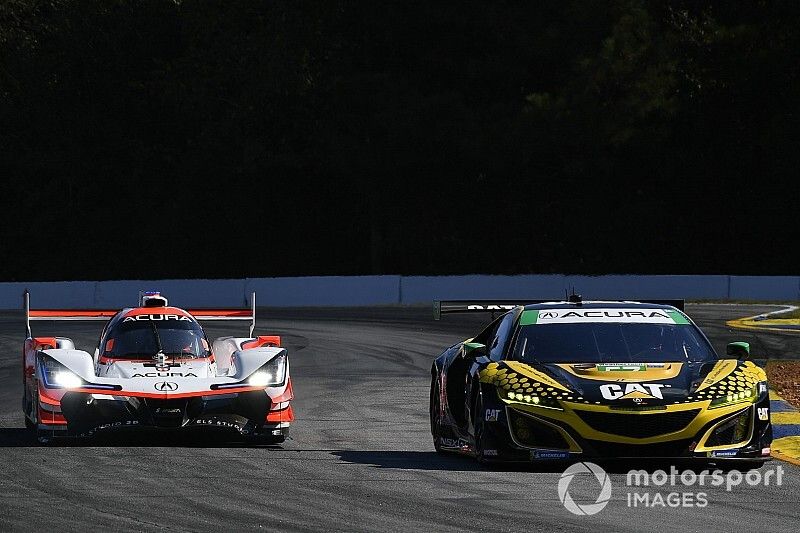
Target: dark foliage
column 153, row 139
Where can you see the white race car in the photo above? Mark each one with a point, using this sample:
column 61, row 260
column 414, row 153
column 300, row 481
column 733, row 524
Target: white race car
column 154, row 368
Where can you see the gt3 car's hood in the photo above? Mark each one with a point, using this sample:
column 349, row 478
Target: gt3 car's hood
column 635, row 384
column 130, row 369
column 622, row 385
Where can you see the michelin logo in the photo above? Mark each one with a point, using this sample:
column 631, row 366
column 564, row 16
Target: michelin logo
column 549, row 454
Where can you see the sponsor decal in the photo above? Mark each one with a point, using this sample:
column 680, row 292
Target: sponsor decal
column 162, row 368
column 621, row 368
column 156, row 317
column 168, row 410
column 549, row 454
column 452, row 443
column 563, row 316
column 490, row 453
column 491, row 307
column 492, row 415
column 721, row 370
column 724, row 453
column 110, row 425
column 634, row 391
column 165, row 375
column 218, row 422
column 763, row 413
column 766, row 451
column 166, row 386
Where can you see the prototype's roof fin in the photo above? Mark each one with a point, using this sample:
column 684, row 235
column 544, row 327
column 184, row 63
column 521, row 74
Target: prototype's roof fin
column 152, row 299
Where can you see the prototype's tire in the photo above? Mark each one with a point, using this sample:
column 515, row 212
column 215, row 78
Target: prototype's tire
column 44, row 437
column 266, row 439
column 434, row 411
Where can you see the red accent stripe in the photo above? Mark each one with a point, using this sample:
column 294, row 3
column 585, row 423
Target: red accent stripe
column 284, row 415
column 104, row 359
column 245, row 313
column 166, row 396
column 76, row 313
column 48, row 417
column 287, row 394
column 44, row 343
column 71, row 313
column 50, row 397
column 262, row 340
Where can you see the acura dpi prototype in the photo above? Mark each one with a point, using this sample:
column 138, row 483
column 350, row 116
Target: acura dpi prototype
column 601, row 379
column 154, row 368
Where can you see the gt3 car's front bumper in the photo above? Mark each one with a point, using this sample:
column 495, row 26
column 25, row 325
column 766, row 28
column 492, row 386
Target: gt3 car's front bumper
column 522, row 433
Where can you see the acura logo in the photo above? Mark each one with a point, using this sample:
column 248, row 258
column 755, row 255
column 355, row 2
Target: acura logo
column 166, row 386
column 548, row 314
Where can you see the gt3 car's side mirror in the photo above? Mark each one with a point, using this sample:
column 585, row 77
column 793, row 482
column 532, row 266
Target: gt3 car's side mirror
column 474, row 349
column 739, row 350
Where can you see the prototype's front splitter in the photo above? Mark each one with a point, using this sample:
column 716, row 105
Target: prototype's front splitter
column 250, row 414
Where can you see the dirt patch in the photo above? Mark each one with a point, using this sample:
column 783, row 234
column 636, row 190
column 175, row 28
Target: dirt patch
column 784, row 377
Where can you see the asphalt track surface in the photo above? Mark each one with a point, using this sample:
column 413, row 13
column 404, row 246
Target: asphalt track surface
column 360, row 456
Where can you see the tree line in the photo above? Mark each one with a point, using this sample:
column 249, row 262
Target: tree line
column 158, row 139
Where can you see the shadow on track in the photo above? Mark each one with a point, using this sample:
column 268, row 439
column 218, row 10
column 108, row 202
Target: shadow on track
column 430, row 460
column 26, row 438
column 17, row 438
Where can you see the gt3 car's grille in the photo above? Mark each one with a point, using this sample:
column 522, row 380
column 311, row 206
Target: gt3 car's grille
column 530, row 432
column 674, row 448
column 638, row 426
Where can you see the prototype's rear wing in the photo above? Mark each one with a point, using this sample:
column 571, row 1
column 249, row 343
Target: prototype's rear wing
column 105, row 314
column 499, row 306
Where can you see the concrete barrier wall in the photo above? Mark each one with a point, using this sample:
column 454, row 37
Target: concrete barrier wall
column 378, row 290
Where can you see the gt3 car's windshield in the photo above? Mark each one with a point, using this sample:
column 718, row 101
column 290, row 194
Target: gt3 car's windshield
column 141, row 338
column 610, row 343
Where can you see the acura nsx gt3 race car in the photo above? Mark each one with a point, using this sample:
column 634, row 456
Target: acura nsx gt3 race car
column 154, row 368
column 603, row 379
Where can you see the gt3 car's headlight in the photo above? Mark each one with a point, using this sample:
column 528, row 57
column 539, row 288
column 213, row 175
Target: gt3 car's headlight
column 532, row 399
column 272, row 374
column 57, row 376
column 747, row 395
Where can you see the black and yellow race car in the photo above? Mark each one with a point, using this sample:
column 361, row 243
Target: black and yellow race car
column 600, row 379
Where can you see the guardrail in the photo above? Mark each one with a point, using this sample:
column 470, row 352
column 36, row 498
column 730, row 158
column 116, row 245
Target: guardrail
column 381, row 290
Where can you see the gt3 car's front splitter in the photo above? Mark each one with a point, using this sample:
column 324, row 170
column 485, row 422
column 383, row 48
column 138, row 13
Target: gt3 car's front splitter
column 512, row 435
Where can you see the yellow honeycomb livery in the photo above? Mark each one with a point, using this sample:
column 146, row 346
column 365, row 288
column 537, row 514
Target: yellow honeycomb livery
column 601, row 379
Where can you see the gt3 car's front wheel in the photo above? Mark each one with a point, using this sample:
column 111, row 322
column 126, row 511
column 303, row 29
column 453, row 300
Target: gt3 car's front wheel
column 435, row 409
column 479, row 429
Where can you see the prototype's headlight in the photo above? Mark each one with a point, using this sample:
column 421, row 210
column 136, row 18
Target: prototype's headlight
column 57, row 376
column 272, row 374
column 747, row 395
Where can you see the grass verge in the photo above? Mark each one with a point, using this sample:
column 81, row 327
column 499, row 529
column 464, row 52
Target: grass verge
column 784, row 377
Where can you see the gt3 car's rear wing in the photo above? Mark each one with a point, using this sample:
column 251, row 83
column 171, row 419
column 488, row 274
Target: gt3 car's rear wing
column 105, row 314
column 499, row 306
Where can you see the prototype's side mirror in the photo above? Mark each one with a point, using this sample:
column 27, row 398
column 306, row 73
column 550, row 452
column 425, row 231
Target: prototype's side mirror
column 739, row 350
column 474, row 349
